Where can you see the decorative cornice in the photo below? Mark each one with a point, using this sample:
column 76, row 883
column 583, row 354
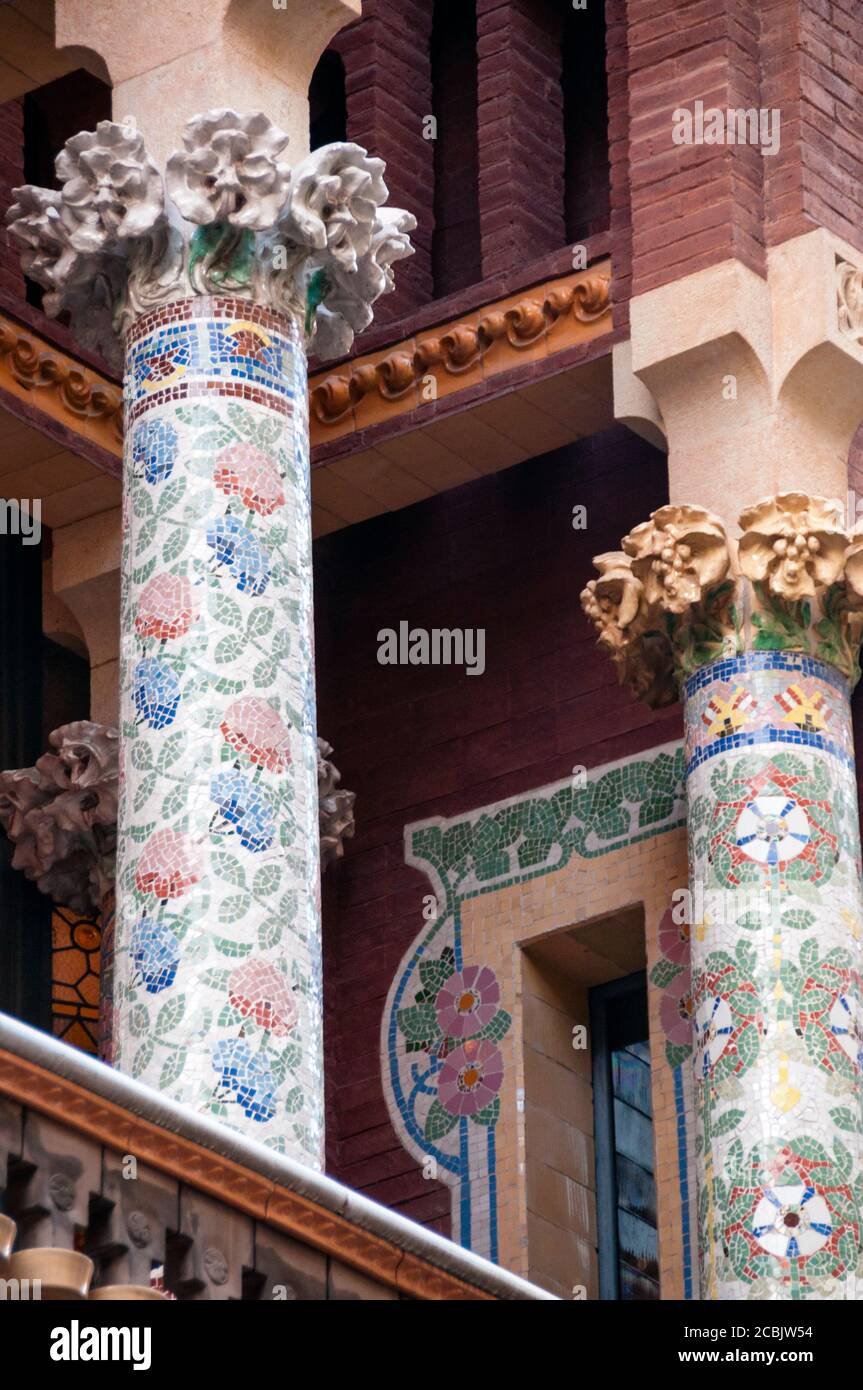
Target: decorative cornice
column 316, row 242
column 105, row 1122
column 681, row 594
column 575, row 303
column 30, row 364
column 61, row 815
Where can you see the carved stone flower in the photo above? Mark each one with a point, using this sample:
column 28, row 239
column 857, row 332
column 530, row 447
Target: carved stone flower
column 335, row 808
column 612, row 601
column 794, row 543
column 678, row 555
column 346, row 307
column 61, row 815
column 111, row 188
column 854, row 561
column 36, row 226
column 335, row 195
column 230, row 170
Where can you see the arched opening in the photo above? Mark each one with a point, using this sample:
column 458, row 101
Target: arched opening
column 456, row 257
column 52, row 114
column 328, row 106
column 585, row 120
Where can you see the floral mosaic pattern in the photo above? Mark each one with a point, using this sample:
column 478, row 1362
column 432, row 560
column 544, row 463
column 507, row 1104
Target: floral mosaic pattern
column 443, row 1022
column 217, row 951
column 774, row 987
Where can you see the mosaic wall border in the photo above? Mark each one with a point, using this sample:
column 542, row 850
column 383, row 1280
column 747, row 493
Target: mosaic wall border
column 442, row 1067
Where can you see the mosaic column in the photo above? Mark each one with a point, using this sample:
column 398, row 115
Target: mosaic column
column 211, row 296
column 760, row 638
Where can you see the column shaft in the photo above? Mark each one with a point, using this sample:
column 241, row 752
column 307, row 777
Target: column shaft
column 776, row 969
column 217, row 956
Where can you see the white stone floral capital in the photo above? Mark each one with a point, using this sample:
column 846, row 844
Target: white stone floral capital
column 318, row 246
column 229, row 170
column 335, row 808
column 335, row 195
column 111, row 189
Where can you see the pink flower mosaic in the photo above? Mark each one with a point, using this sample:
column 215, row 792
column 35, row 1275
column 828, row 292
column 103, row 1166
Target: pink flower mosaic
column 259, row 991
column 166, row 607
column 674, row 939
column 470, row 1078
column 675, row 1010
column 253, row 727
column 168, row 866
column 246, row 472
column 468, row 1001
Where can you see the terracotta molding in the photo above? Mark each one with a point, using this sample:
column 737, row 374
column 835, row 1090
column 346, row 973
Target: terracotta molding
column 29, row 364
column 107, row 1123
column 578, row 300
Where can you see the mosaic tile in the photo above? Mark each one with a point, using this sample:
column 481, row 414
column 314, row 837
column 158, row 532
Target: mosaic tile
column 217, row 947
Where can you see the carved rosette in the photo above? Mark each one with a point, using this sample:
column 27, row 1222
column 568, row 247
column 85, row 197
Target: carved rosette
column 230, row 216
column 681, row 594
column 61, row 815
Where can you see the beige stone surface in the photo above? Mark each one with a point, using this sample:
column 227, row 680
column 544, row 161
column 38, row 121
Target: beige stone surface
column 756, row 386
column 169, row 59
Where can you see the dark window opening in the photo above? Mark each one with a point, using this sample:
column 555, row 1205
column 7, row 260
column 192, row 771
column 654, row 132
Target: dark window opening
column 623, row 1127
column 328, row 106
column 456, row 256
column 585, row 123
column 52, row 114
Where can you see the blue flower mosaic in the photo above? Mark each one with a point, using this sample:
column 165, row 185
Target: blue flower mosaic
column 156, row 953
column 156, row 692
column 248, row 1076
column 154, row 450
column 244, row 556
column 245, row 807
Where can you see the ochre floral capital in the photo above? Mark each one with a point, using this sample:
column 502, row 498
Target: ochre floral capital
column 793, row 544
column 681, row 595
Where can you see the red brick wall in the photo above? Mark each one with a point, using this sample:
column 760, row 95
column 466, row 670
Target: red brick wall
column 692, row 205
column 11, row 176
column 520, row 120
column 678, row 209
column 813, row 61
column 419, row 741
column 388, row 88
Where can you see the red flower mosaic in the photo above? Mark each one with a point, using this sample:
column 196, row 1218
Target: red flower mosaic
column 260, row 992
column 245, row 472
column 168, row 865
column 166, row 608
column 251, row 726
column 772, row 836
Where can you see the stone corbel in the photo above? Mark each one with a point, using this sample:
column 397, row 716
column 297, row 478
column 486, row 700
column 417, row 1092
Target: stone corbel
column 754, row 382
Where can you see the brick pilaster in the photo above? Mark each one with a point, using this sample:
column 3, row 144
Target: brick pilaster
column 520, row 126
column 388, row 87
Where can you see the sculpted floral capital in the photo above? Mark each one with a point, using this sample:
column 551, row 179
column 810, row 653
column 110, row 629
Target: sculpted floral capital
column 680, row 596
column 679, row 554
column 793, row 544
column 316, row 243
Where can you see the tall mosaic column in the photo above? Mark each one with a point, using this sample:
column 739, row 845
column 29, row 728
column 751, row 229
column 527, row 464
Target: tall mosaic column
column 760, row 638
column 211, row 296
